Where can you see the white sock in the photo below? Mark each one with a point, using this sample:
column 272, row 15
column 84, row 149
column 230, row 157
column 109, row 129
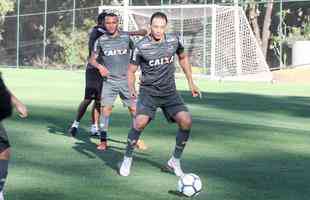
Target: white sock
column 75, row 124
column 94, row 127
column 104, row 123
column 1, row 195
column 101, row 126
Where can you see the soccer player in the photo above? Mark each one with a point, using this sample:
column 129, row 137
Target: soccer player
column 6, row 101
column 114, row 49
column 94, row 80
column 93, row 83
column 155, row 55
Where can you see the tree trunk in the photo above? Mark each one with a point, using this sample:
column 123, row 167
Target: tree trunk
column 253, row 21
column 266, row 30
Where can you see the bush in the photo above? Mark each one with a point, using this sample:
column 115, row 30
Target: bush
column 73, row 44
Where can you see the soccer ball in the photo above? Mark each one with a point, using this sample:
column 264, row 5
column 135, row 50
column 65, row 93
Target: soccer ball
column 190, row 185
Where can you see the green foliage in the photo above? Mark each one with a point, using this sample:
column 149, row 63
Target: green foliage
column 288, row 35
column 298, row 33
column 307, row 30
column 73, row 44
column 6, row 6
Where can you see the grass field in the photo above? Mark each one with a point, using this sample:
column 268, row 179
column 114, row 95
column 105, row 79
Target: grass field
column 249, row 141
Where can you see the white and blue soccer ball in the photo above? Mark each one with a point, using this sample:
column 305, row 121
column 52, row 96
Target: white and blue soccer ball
column 190, row 185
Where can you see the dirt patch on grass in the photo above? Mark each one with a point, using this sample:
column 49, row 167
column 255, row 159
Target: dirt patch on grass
column 296, row 75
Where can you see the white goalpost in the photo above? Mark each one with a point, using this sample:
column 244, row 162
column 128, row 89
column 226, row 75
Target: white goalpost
column 218, row 39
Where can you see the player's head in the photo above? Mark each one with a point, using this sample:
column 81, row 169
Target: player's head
column 158, row 25
column 111, row 23
column 100, row 18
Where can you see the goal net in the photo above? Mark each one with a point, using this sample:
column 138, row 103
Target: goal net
column 218, row 39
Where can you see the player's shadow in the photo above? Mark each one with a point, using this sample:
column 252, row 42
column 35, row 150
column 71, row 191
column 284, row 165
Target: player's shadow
column 111, row 157
column 176, row 193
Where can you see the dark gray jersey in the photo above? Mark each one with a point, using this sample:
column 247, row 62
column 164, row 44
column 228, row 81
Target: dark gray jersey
column 156, row 61
column 114, row 53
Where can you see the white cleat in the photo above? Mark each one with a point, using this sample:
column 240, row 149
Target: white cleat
column 175, row 166
column 124, row 170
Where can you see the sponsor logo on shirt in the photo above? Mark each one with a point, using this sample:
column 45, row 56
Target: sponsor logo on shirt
column 115, row 52
column 161, row 61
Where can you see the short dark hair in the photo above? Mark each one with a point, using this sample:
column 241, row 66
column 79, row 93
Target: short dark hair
column 111, row 14
column 101, row 16
column 159, row 15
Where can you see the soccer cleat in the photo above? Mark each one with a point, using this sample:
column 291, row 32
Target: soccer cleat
column 102, row 146
column 124, row 170
column 141, row 145
column 94, row 130
column 73, row 131
column 94, row 133
column 174, row 165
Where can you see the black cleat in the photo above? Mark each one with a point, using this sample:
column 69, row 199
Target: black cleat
column 95, row 134
column 73, row 131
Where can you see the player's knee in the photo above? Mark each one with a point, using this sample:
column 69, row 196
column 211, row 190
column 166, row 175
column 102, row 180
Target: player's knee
column 186, row 122
column 86, row 102
column 5, row 155
column 132, row 110
column 97, row 104
column 107, row 110
column 140, row 123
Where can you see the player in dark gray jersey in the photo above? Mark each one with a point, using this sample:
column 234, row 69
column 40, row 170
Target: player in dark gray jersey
column 7, row 99
column 94, row 80
column 114, row 50
column 155, row 56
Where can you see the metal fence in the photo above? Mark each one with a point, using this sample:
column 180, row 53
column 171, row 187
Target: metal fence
column 27, row 34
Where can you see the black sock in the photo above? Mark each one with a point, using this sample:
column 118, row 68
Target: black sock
column 103, row 136
column 133, row 137
column 181, row 139
column 82, row 109
column 3, row 173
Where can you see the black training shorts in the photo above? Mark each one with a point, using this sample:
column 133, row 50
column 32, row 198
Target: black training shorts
column 170, row 105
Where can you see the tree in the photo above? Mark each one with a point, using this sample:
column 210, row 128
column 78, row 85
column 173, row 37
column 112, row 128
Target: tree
column 73, row 45
column 262, row 34
column 5, row 7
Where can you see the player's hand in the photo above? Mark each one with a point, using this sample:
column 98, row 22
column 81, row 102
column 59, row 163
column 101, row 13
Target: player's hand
column 133, row 94
column 133, row 105
column 21, row 109
column 195, row 91
column 103, row 71
column 144, row 32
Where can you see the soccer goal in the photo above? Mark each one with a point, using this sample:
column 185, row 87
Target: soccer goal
column 218, row 39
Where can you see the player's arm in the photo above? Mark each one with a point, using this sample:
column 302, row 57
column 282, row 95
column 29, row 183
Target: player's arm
column 93, row 60
column 141, row 32
column 20, row 107
column 7, row 99
column 132, row 68
column 187, row 69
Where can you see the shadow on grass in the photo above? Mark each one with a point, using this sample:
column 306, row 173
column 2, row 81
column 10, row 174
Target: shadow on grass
column 288, row 105
column 270, row 174
column 35, row 194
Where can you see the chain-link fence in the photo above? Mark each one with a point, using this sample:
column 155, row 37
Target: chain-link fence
column 53, row 33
